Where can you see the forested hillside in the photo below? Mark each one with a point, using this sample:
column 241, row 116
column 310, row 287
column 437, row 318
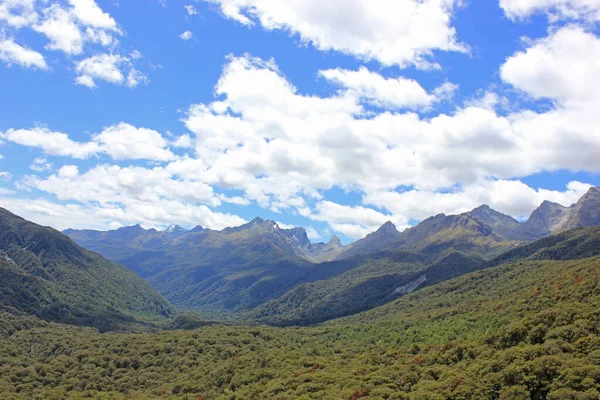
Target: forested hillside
column 45, row 274
column 524, row 330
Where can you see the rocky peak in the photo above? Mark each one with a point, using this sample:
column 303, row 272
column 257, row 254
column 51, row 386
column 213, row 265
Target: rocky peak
column 197, row 228
column 298, row 235
column 387, row 229
column 174, row 231
column 501, row 223
column 334, row 242
column 586, row 212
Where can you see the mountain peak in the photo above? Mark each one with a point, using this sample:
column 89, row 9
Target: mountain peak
column 197, row 228
column 334, row 241
column 387, row 227
column 174, row 228
column 298, row 235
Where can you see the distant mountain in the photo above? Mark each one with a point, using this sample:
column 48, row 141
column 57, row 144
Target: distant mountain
column 278, row 276
column 213, row 271
column 462, row 232
column 46, row 275
column 373, row 242
column 314, row 252
column 552, row 218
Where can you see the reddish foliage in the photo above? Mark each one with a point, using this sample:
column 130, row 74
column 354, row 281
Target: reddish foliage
column 358, row 393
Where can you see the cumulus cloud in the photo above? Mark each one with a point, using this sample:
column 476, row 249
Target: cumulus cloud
column 110, row 68
column 511, row 197
column 13, row 53
column 402, row 32
column 558, row 67
column 40, row 164
column 52, row 143
column 126, row 142
column 187, row 35
column 556, row 9
column 18, row 13
column 72, row 27
column 89, row 216
column 61, row 29
column 389, row 93
column 121, row 142
column 151, row 196
column 264, row 140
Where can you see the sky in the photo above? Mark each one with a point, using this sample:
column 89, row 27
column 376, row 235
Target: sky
column 336, row 116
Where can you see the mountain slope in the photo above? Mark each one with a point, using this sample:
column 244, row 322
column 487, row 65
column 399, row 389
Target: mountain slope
column 372, row 243
column 375, row 280
column 215, row 272
column 46, row 275
column 524, row 330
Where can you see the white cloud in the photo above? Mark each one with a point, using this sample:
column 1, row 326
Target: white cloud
column 281, row 147
column 72, row 27
column 12, row 53
column 355, row 222
column 187, row 35
column 69, row 28
column 106, row 184
column 313, row 234
column 62, row 31
column 89, row 14
column 40, row 164
column 68, row 171
column 351, row 230
column 109, row 68
column 126, row 142
column 85, row 80
column 556, row 9
column 109, row 193
column 558, row 67
column 121, row 142
column 183, row 141
column 270, row 143
column 510, row 197
column 389, row 93
column 191, row 10
column 401, row 32
column 18, row 13
column 52, row 143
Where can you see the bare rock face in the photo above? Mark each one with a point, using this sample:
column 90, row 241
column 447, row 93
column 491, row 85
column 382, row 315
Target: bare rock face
column 543, row 221
column 552, row 218
column 586, row 212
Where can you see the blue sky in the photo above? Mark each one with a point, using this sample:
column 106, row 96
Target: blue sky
column 323, row 116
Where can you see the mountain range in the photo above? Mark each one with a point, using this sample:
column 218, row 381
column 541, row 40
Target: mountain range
column 259, row 271
column 525, row 326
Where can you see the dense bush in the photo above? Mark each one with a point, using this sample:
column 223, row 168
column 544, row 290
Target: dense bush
column 522, row 331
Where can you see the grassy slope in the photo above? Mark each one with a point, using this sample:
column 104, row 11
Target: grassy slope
column 47, row 275
column 526, row 330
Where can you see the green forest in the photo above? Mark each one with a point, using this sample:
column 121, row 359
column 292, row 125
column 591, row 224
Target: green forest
column 525, row 330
